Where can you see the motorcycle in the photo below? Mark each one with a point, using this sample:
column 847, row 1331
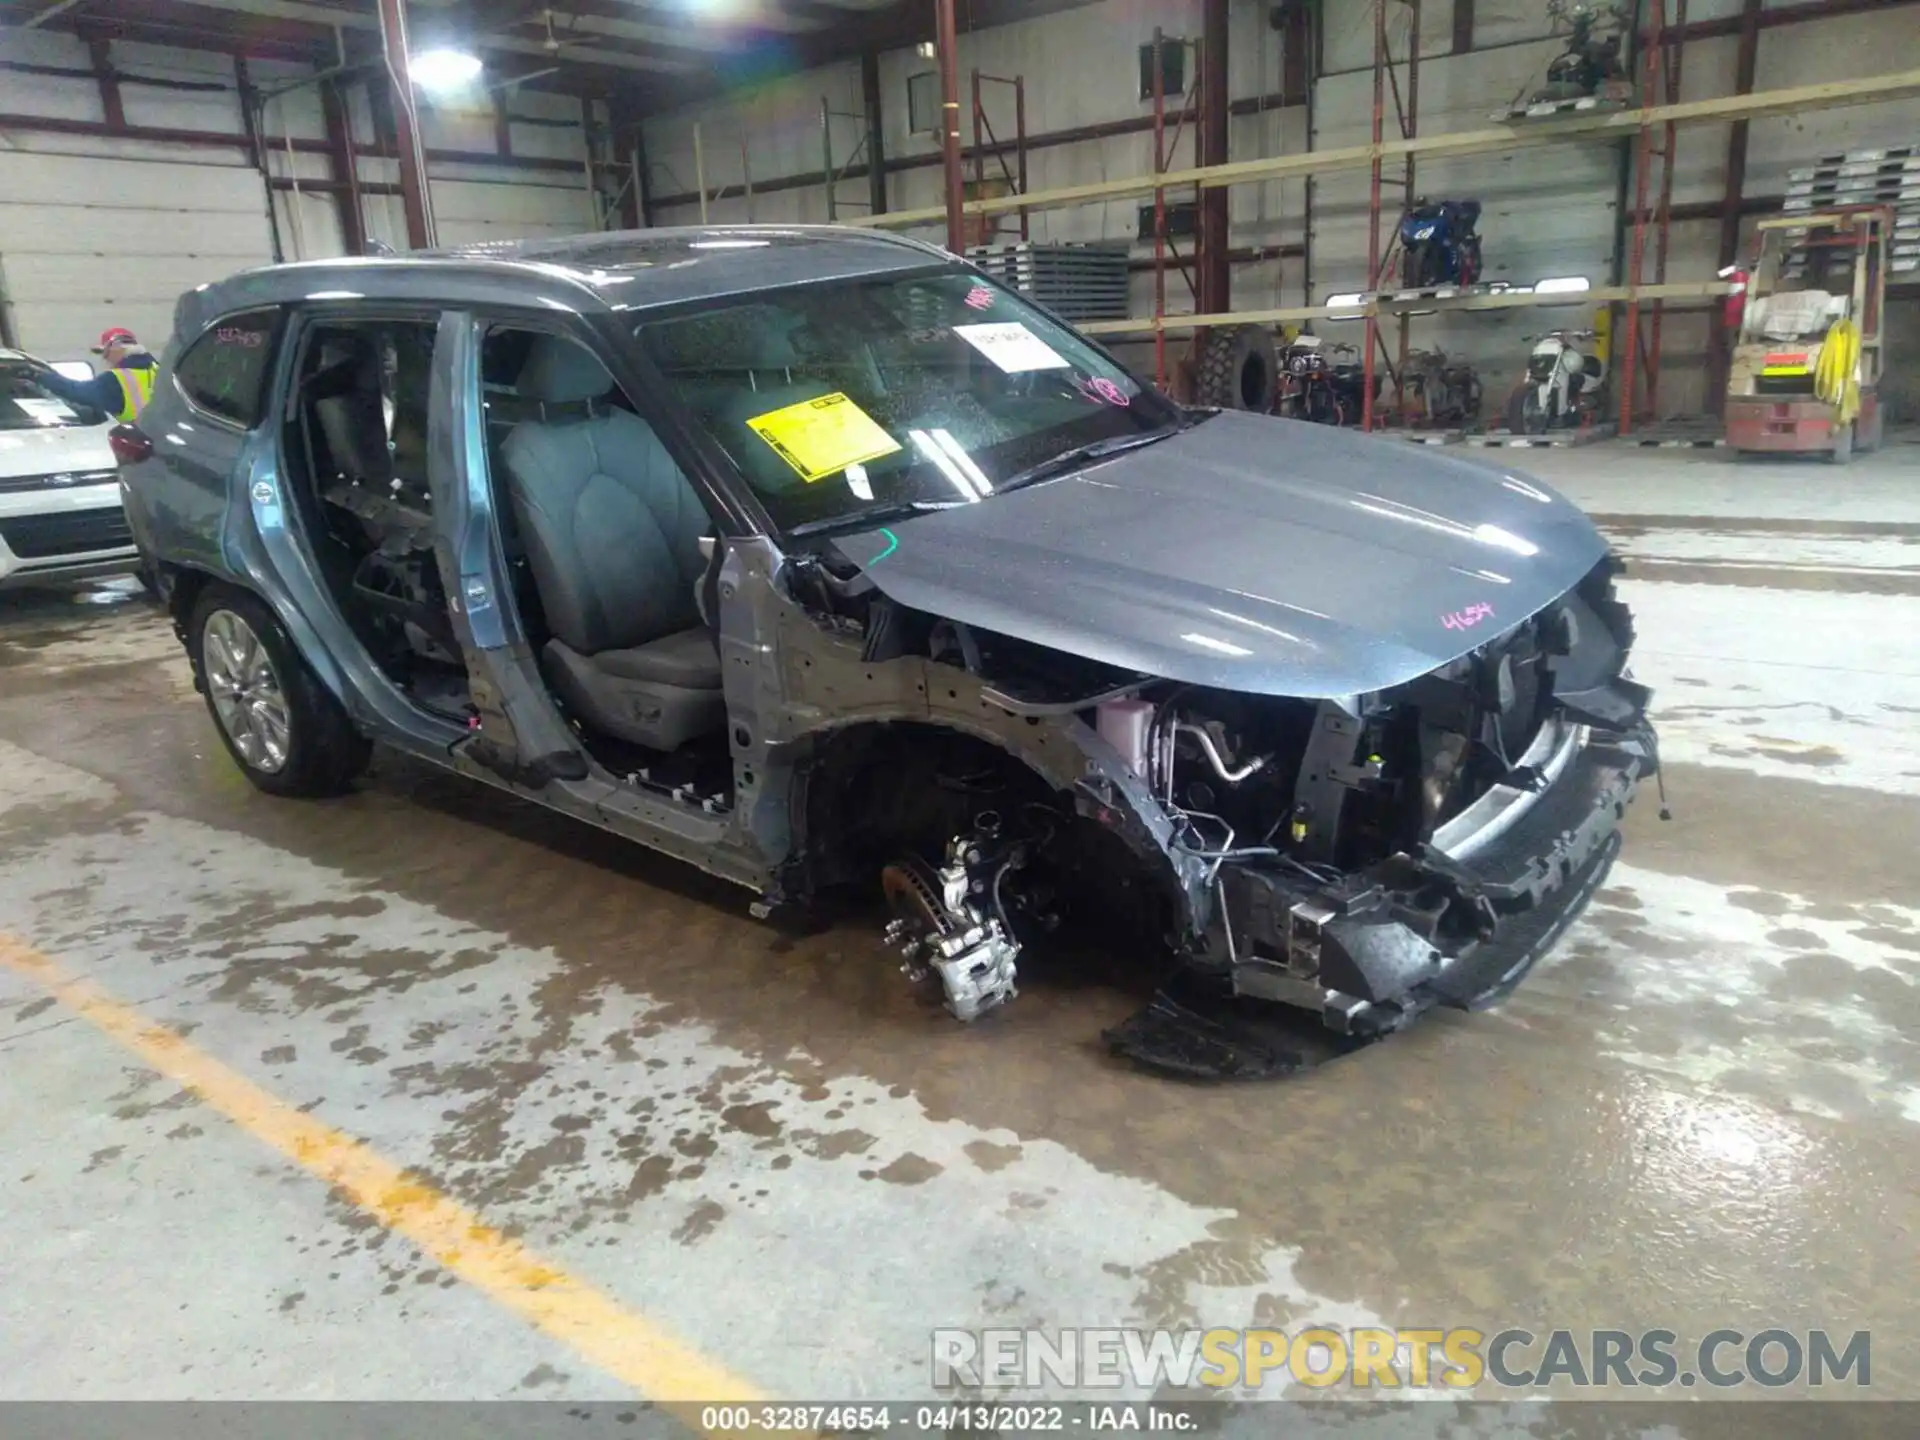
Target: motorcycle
column 1438, row 243
column 1306, row 384
column 1563, row 384
column 1439, row 392
column 1587, row 64
column 1348, row 377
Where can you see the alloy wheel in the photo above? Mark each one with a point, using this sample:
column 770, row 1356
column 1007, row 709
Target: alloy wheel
column 246, row 691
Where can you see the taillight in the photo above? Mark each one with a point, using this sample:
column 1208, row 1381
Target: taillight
column 130, row 444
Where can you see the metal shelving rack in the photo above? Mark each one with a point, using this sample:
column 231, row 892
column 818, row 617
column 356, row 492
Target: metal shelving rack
column 983, row 138
column 1658, row 108
column 1406, row 115
column 1165, row 143
column 1658, row 56
column 1661, row 55
column 833, row 172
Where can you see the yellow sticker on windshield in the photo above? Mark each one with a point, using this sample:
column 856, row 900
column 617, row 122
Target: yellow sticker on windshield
column 822, row 437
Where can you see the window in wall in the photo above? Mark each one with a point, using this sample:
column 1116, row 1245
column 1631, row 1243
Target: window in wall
column 923, row 103
column 1173, row 67
column 224, row 372
column 1182, row 220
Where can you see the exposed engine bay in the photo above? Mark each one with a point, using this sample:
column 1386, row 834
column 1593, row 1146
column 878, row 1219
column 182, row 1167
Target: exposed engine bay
column 1366, row 857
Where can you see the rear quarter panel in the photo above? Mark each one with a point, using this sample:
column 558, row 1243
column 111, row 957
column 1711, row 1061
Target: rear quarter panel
column 177, row 501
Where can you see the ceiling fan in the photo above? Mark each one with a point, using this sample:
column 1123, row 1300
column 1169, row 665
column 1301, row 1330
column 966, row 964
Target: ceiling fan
column 553, row 46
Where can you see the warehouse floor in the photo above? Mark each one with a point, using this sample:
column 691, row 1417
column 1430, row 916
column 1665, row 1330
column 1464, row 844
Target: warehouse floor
column 727, row 1147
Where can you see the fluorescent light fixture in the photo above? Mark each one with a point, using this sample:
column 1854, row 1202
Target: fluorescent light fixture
column 1344, row 302
column 440, row 70
column 1562, row 285
column 926, row 50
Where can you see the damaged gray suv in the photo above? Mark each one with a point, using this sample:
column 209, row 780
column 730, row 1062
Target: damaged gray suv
column 817, row 558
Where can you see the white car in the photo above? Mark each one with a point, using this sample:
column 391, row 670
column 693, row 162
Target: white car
column 60, row 511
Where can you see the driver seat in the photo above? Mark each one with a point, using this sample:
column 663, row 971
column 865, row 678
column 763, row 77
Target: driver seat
column 612, row 533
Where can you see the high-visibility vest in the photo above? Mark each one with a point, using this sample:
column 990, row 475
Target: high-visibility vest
column 136, row 388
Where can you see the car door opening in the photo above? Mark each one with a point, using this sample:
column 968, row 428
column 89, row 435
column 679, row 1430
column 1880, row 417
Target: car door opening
column 605, row 535
column 358, row 442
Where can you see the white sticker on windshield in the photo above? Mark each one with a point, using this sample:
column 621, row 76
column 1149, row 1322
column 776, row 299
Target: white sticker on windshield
column 1013, row 347
column 46, row 412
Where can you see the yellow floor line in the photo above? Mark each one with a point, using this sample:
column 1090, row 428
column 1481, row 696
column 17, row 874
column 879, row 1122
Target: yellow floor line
column 618, row 1341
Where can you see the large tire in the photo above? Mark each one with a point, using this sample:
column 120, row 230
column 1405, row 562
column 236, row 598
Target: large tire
column 1868, row 437
column 1237, row 370
column 284, row 729
column 1413, row 266
column 1842, row 451
column 1524, row 413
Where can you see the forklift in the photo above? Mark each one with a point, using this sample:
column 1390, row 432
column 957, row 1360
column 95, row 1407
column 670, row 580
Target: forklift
column 1809, row 352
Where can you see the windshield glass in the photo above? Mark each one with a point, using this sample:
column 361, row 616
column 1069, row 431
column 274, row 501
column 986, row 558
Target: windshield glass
column 25, row 405
column 854, row 398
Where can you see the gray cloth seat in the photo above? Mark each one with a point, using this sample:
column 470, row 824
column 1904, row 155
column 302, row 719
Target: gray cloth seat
column 612, row 534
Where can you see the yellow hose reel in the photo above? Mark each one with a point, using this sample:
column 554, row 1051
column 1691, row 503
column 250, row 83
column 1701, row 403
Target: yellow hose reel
column 1836, row 374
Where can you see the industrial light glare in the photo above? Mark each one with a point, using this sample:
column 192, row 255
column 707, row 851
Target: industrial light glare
column 444, row 69
column 1218, row 646
column 1344, row 302
column 926, row 50
column 1562, row 285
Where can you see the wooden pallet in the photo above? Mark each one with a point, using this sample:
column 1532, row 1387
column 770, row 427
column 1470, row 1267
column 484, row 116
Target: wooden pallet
column 1421, row 437
column 1679, row 435
column 1432, row 292
column 1546, row 109
column 1552, row 440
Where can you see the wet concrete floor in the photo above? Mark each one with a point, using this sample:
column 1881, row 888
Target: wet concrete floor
column 1699, row 1113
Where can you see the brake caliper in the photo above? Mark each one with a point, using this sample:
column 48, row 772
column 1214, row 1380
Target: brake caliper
column 950, row 922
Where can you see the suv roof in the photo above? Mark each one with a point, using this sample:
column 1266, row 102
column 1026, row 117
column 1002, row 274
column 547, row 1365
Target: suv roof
column 624, row 270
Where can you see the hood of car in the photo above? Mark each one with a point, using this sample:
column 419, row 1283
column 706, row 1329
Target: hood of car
column 1252, row 554
column 55, row 450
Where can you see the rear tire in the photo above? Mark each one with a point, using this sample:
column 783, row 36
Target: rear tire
column 1868, row 439
column 1524, row 415
column 1238, row 370
column 1842, row 451
column 1413, row 272
column 285, row 730
column 1321, row 407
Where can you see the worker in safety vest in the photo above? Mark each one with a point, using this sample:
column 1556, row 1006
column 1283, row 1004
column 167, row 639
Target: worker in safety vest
column 122, row 389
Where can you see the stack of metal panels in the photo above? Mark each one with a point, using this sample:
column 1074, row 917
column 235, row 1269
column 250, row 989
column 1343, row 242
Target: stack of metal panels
column 1868, row 177
column 1078, row 281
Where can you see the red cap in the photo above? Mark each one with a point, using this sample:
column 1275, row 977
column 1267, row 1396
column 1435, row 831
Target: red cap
column 114, row 335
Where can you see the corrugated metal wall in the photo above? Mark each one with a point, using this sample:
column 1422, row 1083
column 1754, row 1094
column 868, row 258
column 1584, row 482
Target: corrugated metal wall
column 95, row 230
column 1550, row 212
column 99, row 230
column 1081, row 68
